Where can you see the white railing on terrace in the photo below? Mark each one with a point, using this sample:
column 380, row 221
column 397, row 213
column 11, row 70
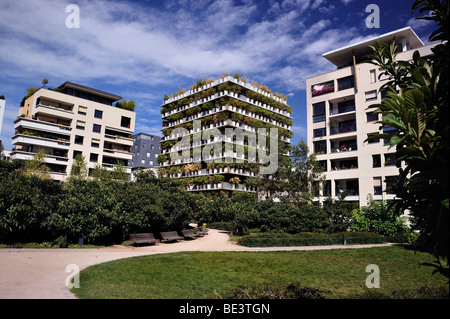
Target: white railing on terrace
column 226, row 108
column 220, row 81
column 226, row 93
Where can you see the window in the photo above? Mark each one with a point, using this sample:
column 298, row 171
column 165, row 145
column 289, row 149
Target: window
column 320, row 147
column 98, row 114
column 318, row 112
column 373, row 76
column 382, row 75
column 323, row 165
column 96, row 128
column 376, row 160
column 346, row 106
column 81, row 125
column 390, row 159
column 389, row 130
column 93, row 158
column 142, row 161
column 346, row 83
column 391, row 182
column 370, row 96
column 372, row 116
column 95, row 142
column 148, row 155
column 82, row 110
column 79, row 139
column 125, row 122
column 377, row 186
column 318, row 132
column 151, row 163
column 75, row 153
column 152, row 147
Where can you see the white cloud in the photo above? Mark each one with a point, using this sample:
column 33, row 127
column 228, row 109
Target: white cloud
column 142, row 49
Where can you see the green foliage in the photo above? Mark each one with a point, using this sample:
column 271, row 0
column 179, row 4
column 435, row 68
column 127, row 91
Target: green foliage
column 79, row 167
column 102, row 210
column 380, row 218
column 416, row 105
column 36, row 166
column 127, row 105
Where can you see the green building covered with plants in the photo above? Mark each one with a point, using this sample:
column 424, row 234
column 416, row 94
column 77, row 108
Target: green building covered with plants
column 197, row 124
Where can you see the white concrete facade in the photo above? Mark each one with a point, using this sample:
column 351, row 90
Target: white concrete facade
column 339, row 120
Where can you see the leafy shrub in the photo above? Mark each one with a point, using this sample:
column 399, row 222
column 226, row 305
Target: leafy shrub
column 380, row 218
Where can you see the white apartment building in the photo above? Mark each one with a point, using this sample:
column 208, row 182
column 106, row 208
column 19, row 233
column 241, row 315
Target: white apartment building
column 74, row 119
column 339, row 121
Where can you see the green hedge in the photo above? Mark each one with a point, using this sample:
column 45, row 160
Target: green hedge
column 310, row 239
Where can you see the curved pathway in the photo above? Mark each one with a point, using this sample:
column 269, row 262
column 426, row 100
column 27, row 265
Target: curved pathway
column 41, row 273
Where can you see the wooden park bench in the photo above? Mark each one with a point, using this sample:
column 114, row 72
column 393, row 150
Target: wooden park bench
column 143, row 238
column 170, row 236
column 189, row 234
column 200, row 232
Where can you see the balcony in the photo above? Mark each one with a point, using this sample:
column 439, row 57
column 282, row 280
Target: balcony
column 61, row 110
column 221, row 186
column 346, row 164
column 119, row 137
column 343, row 127
column 44, row 126
column 49, row 158
column 117, row 150
column 349, row 189
column 38, row 141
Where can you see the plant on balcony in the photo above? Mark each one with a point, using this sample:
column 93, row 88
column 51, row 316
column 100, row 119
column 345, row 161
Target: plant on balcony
column 162, row 158
column 192, row 167
column 235, row 180
column 127, row 105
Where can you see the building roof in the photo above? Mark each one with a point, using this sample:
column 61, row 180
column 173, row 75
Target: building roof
column 89, row 90
column 343, row 55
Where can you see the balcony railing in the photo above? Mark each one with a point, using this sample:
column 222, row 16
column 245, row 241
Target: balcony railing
column 347, row 128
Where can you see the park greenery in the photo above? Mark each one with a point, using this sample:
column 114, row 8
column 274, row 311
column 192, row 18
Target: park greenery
column 105, row 208
column 416, row 106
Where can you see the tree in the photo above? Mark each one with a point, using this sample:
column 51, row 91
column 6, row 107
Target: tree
column 36, row 166
column 79, row 167
column 416, row 105
column 44, row 82
column 305, row 176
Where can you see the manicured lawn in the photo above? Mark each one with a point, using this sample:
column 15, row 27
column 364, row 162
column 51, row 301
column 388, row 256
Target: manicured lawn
column 197, row 275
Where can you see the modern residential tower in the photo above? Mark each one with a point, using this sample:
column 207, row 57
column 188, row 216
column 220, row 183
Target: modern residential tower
column 210, row 133
column 339, row 120
column 74, row 119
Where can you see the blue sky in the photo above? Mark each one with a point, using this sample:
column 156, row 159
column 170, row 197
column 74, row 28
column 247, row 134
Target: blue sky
column 142, row 50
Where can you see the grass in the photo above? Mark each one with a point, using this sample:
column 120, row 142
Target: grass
column 197, row 275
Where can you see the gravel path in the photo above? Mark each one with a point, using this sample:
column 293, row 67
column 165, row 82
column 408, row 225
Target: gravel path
column 41, row 273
